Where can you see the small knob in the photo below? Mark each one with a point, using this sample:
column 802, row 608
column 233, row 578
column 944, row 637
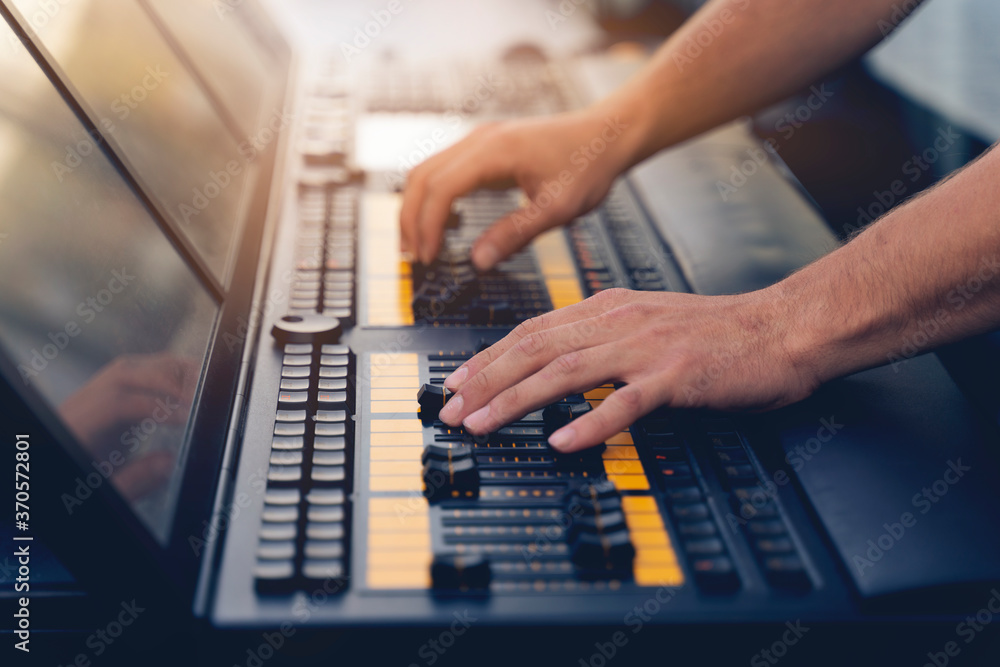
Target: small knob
column 432, row 398
column 307, row 329
column 470, row 572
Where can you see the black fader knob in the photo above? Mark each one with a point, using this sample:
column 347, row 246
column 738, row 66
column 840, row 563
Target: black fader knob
column 468, row 572
column 443, row 451
column 432, row 397
column 453, row 477
column 558, row 415
column 603, row 551
column 491, row 313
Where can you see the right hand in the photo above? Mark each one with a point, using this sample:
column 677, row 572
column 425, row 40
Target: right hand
column 554, row 160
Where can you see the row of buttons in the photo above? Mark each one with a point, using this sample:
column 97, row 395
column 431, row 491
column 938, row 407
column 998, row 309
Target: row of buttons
column 450, row 292
column 759, row 515
column 325, row 253
column 303, row 533
column 709, row 558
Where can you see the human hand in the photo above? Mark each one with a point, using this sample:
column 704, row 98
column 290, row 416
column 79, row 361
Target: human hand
column 681, row 350
column 565, row 164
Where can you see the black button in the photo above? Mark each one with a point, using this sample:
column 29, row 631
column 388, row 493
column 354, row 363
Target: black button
column 670, row 455
column 726, row 456
column 704, row 547
column 470, row 572
column 786, row 572
column 747, row 510
column 677, row 473
column 716, row 574
column 684, row 494
column 658, row 427
column 766, row 527
column 696, row 528
column 725, row 441
column 443, row 451
column 690, row 512
column 773, row 545
column 740, row 472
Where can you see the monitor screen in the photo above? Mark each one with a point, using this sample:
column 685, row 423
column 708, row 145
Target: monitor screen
column 194, row 166
column 100, row 314
column 231, row 53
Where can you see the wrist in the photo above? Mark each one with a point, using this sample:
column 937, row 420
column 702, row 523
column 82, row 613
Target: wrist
column 825, row 331
column 630, row 122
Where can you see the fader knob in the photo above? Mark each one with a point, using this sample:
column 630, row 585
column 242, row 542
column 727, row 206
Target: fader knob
column 471, row 572
column 558, row 415
column 603, row 551
column 441, row 451
column 454, row 477
column 432, row 398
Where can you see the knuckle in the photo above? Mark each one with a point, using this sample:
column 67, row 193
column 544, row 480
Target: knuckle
column 615, row 295
column 532, row 345
column 631, row 398
column 567, row 365
column 528, row 327
column 505, row 404
column 480, row 382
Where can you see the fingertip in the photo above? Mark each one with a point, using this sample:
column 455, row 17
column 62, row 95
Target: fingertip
column 485, row 255
column 455, row 380
column 563, row 439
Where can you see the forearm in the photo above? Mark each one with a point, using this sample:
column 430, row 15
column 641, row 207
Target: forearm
column 734, row 57
column 926, row 274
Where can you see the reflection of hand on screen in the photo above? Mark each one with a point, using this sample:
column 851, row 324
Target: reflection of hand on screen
column 145, row 475
column 131, row 389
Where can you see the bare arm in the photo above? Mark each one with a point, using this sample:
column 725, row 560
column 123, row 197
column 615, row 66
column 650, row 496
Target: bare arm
column 731, row 58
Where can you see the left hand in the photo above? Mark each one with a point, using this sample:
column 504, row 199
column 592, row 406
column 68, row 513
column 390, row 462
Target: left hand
column 682, row 350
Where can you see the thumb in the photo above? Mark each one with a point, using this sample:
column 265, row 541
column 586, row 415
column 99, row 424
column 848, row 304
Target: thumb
column 516, row 230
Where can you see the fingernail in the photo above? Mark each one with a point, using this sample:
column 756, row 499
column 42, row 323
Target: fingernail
column 562, row 439
column 477, row 419
column 451, row 410
column 485, row 256
column 455, row 380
